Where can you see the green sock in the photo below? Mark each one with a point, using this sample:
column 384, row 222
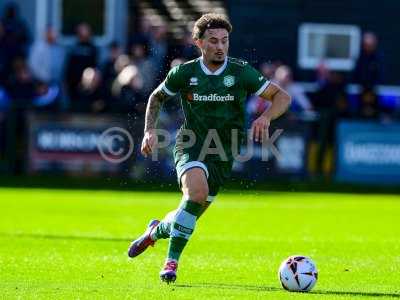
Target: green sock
column 175, row 247
column 163, row 229
column 203, row 209
column 182, row 227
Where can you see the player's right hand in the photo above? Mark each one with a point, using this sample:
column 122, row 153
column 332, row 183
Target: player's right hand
column 149, row 142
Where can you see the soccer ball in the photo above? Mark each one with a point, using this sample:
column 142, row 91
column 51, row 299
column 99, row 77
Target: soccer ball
column 298, row 274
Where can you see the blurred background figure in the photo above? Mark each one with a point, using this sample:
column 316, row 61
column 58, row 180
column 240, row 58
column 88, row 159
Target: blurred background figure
column 21, row 86
column 300, row 102
column 4, row 102
column 369, row 72
column 109, row 68
column 159, row 45
column 14, row 35
column 177, row 61
column 322, row 73
column 81, row 56
column 90, row 97
column 186, row 49
column 47, row 58
column 369, row 69
column 4, row 61
column 131, row 97
column 146, row 65
column 268, row 69
column 143, row 33
column 332, row 105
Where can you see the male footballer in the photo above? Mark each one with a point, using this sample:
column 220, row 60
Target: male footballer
column 213, row 89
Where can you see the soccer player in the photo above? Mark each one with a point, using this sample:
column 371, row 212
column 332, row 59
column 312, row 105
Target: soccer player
column 213, row 89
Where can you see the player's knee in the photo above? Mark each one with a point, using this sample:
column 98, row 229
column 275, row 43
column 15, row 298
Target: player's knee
column 199, row 194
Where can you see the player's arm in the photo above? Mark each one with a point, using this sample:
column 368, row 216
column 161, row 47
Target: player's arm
column 280, row 103
column 154, row 104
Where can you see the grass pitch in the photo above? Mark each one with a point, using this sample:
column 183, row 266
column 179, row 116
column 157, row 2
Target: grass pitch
column 61, row 244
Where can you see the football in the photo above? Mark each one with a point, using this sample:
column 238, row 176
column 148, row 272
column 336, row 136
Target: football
column 298, row 274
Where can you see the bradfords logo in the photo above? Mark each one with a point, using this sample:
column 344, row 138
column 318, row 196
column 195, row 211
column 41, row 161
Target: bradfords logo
column 213, row 97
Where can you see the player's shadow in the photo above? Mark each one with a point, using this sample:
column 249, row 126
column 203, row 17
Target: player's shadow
column 263, row 288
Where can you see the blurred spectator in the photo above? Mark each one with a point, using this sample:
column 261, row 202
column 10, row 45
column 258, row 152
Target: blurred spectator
column 268, row 69
column 177, row 61
column 144, row 34
column 114, row 90
column 21, row 86
column 123, row 78
column 4, row 100
column 24, row 91
column 331, row 93
column 47, row 58
column 109, row 68
column 300, row 103
column 128, row 92
column 90, row 96
column 14, row 38
column 186, row 49
column 121, row 63
column 47, row 96
column 4, row 62
column 146, row 66
column 369, row 107
column 132, row 98
column 368, row 71
column 322, row 74
column 332, row 105
column 159, row 45
column 83, row 55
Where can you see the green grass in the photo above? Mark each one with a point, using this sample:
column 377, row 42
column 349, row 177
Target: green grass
column 62, row 244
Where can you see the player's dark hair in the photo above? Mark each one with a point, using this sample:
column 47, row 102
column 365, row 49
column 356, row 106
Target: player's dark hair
column 210, row 21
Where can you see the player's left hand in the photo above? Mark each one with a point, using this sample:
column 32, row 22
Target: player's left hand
column 259, row 129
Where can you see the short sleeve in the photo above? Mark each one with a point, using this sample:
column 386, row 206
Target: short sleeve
column 173, row 82
column 254, row 81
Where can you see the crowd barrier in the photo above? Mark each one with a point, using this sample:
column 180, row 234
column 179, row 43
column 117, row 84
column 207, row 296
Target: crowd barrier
column 368, row 152
column 76, row 144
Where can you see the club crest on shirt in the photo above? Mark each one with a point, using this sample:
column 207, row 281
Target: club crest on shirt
column 229, row 80
column 194, row 81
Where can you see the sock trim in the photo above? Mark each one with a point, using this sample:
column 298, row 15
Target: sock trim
column 192, row 207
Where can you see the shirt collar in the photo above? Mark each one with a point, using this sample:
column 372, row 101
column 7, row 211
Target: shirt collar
column 217, row 72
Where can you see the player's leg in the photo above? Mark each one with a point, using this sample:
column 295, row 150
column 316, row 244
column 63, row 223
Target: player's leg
column 195, row 192
column 212, row 193
column 163, row 229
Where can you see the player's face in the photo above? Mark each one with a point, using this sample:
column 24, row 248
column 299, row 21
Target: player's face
column 214, row 45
